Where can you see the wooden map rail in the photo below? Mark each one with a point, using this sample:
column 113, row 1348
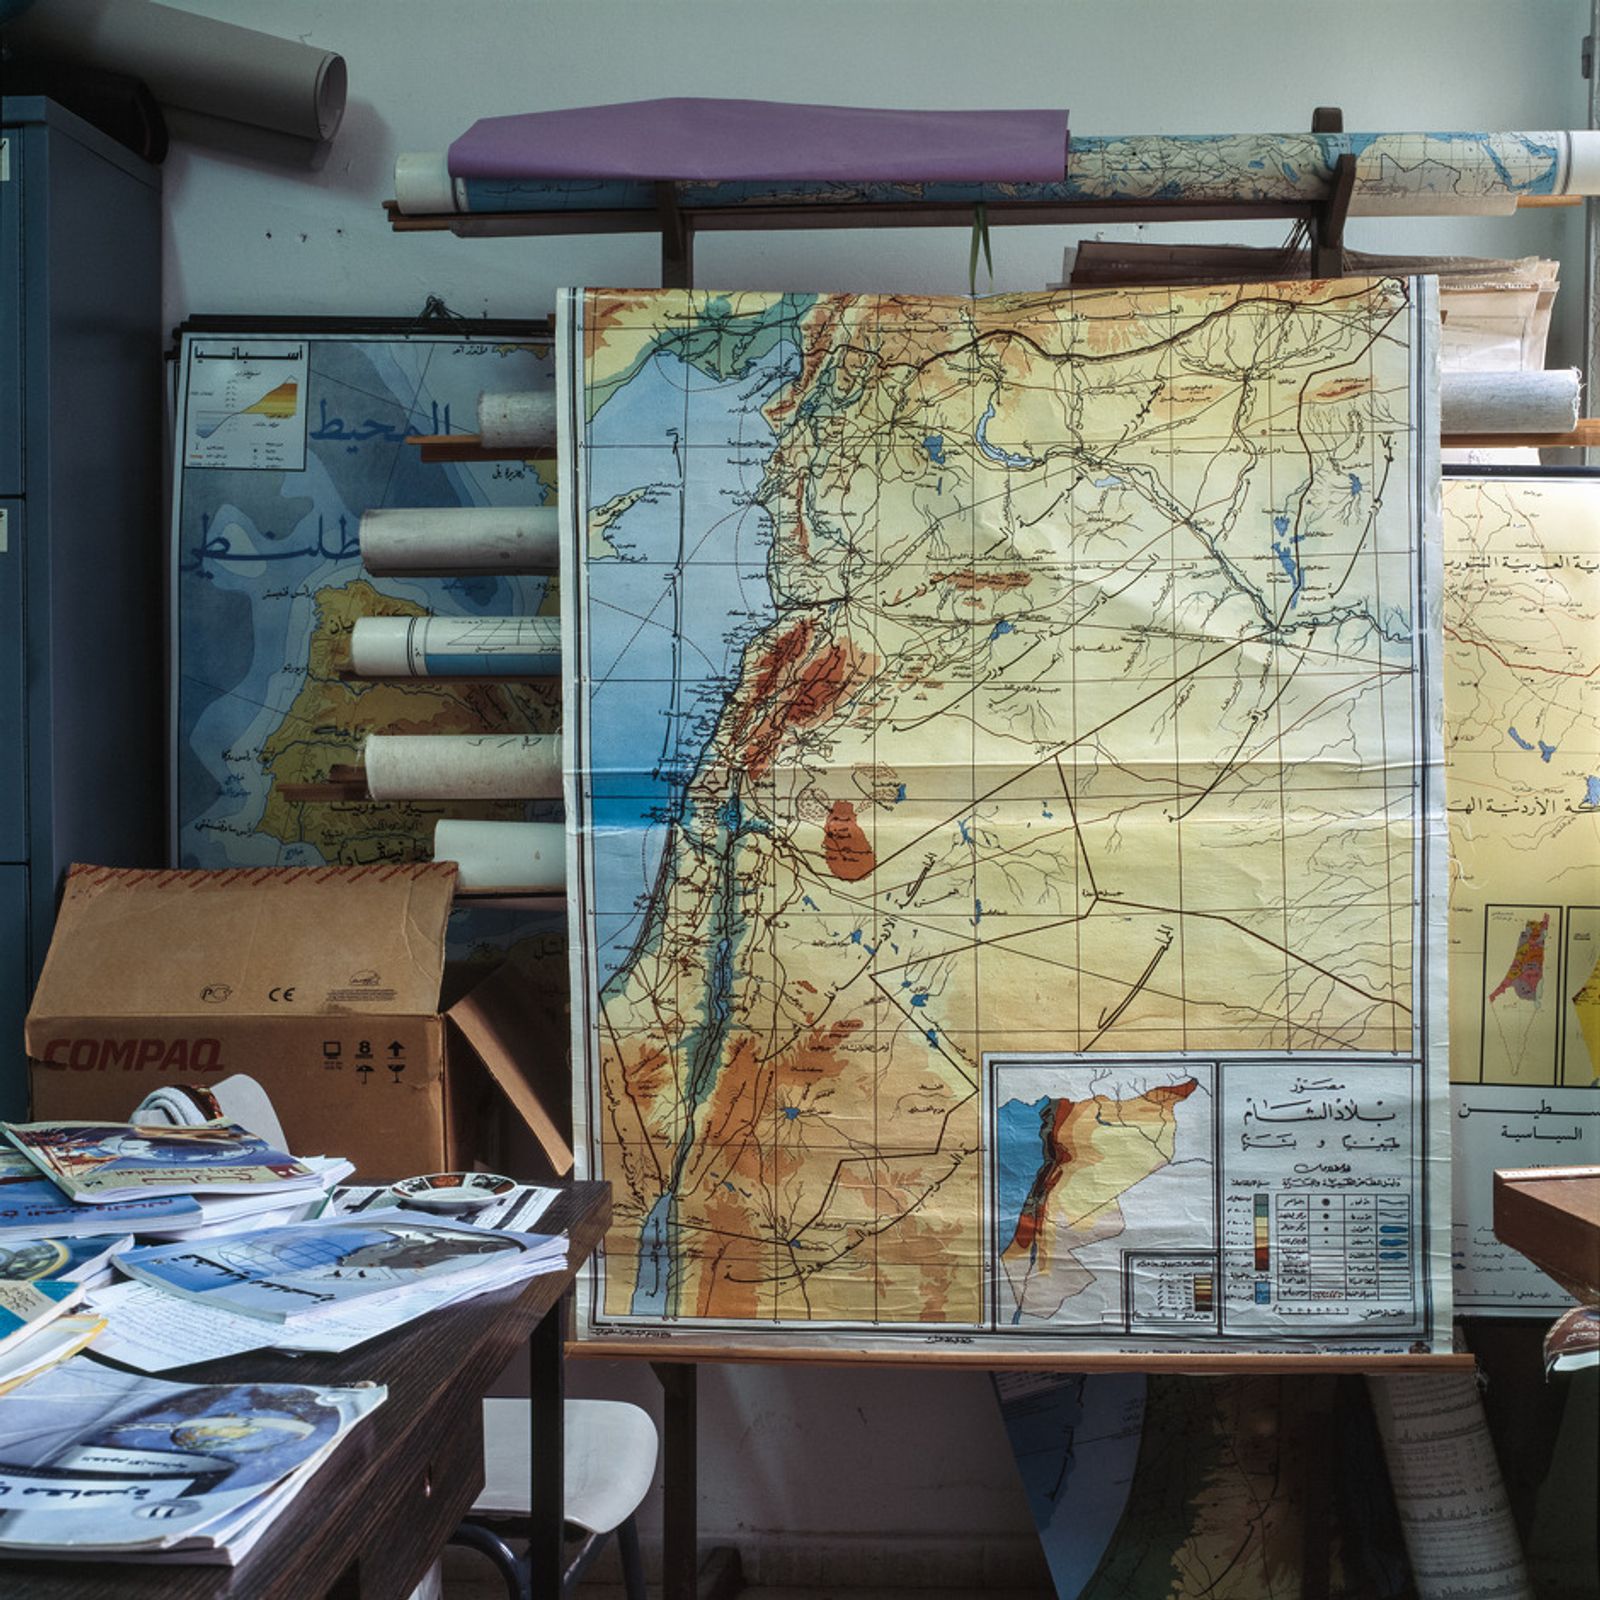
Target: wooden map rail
column 989, row 1358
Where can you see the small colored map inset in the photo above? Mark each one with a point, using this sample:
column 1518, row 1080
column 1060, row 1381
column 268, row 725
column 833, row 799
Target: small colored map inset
column 244, row 405
column 1089, row 1159
column 1580, row 985
column 281, row 402
column 1521, row 1013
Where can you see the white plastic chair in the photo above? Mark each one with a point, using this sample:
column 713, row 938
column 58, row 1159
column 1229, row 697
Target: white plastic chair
column 609, row 1461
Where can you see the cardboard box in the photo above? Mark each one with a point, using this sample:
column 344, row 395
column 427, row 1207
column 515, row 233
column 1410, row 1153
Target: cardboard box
column 322, row 983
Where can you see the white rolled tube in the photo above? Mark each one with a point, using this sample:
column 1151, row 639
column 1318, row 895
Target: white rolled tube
column 525, row 418
column 474, row 539
column 456, row 647
column 526, row 857
column 462, row 766
column 1508, row 402
column 1454, row 1514
column 1583, row 162
column 196, row 63
column 422, row 183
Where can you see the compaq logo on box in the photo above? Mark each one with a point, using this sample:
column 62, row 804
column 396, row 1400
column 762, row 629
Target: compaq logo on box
column 135, row 1055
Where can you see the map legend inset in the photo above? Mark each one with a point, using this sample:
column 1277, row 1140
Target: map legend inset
column 245, row 406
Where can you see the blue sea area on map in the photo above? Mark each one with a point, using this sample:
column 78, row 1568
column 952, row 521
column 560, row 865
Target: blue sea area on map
column 669, row 618
column 1019, row 1153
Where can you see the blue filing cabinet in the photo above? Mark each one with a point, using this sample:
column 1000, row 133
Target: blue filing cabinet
column 81, row 552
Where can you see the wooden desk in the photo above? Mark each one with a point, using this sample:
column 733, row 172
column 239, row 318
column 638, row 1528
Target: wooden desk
column 1552, row 1215
column 372, row 1521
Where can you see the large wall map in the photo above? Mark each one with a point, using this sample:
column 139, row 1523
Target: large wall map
column 1002, row 744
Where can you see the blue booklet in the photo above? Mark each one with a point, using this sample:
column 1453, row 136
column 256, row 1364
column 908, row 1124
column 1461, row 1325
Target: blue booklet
column 32, row 1207
column 282, row 1274
column 26, row 1307
column 73, row 1260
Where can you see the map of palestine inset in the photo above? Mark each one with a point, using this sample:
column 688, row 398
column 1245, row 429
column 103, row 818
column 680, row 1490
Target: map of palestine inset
column 1006, row 850
column 1522, row 763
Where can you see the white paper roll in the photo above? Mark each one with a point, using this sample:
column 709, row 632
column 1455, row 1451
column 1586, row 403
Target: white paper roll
column 456, row 647
column 246, row 139
column 508, row 539
column 1454, row 1514
column 194, row 62
column 1583, row 162
column 510, row 856
column 422, row 183
column 1508, row 402
column 526, row 418
column 465, row 766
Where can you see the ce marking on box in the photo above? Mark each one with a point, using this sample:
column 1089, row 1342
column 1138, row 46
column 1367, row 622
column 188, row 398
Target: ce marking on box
column 279, row 995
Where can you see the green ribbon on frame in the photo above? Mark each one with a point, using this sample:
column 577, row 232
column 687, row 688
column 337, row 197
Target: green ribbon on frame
column 980, row 235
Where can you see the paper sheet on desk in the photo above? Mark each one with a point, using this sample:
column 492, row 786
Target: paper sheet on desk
column 518, row 1210
column 157, row 1332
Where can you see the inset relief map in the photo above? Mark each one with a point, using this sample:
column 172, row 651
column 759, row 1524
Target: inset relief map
column 1090, row 1161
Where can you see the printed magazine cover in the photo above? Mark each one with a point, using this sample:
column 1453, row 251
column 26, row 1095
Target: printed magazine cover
column 296, row 1271
column 109, row 1161
column 93, row 1459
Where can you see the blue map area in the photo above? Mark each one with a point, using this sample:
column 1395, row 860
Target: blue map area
column 1018, row 1155
column 255, row 549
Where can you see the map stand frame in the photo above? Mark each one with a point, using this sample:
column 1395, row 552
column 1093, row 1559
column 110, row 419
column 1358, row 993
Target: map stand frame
column 676, row 1361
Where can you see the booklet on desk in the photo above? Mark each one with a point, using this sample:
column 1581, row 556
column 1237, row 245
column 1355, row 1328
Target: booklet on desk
column 26, row 1307
column 48, row 1346
column 296, row 1273
column 81, row 1259
column 101, row 1163
column 32, row 1207
column 98, row 1464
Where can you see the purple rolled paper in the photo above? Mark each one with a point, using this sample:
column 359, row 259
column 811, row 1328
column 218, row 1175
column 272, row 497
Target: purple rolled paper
column 683, row 139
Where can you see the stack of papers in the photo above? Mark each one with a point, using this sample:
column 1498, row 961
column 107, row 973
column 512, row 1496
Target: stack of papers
column 100, row 1163
column 44, row 1347
column 324, row 1286
column 32, row 1338
column 85, row 1260
column 103, row 1465
column 27, row 1307
column 32, row 1207
column 520, row 1208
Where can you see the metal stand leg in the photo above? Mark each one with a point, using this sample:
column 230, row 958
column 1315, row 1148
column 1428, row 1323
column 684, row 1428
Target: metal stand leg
column 682, row 1575
column 680, row 1558
column 547, row 1401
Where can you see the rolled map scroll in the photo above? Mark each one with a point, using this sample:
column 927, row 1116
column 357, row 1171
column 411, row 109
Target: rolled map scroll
column 456, row 647
column 1454, row 1514
column 509, row 856
column 1508, row 402
column 465, row 766
column 526, row 418
column 195, row 64
column 432, row 539
column 1397, row 174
